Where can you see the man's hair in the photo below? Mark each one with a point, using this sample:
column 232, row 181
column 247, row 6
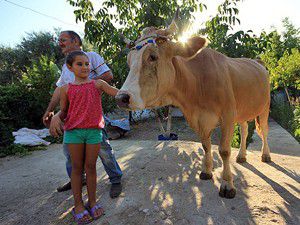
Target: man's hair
column 71, row 57
column 73, row 36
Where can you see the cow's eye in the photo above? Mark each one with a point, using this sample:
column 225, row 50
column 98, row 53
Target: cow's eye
column 153, row 57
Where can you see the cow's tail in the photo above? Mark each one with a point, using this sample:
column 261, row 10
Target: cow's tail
column 258, row 126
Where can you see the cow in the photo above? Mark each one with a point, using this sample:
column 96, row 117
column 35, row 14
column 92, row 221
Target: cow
column 210, row 89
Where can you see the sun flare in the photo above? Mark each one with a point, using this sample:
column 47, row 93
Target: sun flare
column 191, row 30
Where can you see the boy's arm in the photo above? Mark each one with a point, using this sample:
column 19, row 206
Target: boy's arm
column 64, row 104
column 104, row 86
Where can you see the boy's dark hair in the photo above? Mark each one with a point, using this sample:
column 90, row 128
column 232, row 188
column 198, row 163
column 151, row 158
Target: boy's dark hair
column 73, row 36
column 71, row 57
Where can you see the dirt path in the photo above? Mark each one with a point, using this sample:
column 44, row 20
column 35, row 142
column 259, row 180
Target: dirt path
column 161, row 184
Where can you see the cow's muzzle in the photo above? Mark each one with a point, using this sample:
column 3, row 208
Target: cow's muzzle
column 123, row 100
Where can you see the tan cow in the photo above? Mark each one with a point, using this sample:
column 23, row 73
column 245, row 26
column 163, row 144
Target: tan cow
column 210, row 89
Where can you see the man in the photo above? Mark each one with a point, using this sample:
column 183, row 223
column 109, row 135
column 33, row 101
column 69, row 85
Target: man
column 70, row 41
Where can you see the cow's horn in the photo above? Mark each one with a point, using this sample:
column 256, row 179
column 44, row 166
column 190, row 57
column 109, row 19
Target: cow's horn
column 172, row 28
column 126, row 40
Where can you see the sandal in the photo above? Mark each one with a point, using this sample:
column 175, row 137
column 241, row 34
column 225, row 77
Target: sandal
column 79, row 217
column 93, row 210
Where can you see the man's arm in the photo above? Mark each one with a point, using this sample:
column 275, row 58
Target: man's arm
column 106, row 76
column 52, row 105
column 101, row 70
column 64, row 104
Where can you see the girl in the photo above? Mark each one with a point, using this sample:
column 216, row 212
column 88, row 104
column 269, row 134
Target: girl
column 80, row 104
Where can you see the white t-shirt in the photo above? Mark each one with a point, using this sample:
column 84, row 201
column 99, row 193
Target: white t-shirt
column 98, row 67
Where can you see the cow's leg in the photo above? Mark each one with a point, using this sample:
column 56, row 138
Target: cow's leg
column 262, row 129
column 227, row 188
column 241, row 158
column 207, row 162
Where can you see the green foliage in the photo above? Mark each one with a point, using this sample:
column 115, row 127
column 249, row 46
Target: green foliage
column 281, row 56
column 15, row 101
column 236, row 139
column 27, row 75
column 296, row 126
column 14, row 62
column 19, row 150
column 287, row 71
column 9, row 65
column 288, row 117
column 13, row 150
column 24, row 103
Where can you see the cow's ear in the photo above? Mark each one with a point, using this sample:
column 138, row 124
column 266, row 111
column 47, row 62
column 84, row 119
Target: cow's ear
column 191, row 47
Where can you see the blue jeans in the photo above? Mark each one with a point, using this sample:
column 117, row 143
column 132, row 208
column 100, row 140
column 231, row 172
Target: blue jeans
column 107, row 157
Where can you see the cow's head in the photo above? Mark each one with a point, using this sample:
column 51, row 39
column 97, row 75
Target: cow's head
column 152, row 74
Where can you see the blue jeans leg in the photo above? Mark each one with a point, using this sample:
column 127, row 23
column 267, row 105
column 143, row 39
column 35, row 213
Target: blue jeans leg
column 68, row 160
column 108, row 159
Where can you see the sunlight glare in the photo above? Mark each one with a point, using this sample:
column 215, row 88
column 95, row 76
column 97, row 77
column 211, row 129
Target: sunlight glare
column 191, row 29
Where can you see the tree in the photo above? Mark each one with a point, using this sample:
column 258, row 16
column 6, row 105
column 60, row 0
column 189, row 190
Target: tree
column 281, row 56
column 16, row 61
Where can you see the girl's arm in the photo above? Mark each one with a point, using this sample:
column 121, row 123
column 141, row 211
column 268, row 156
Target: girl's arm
column 64, row 103
column 104, row 86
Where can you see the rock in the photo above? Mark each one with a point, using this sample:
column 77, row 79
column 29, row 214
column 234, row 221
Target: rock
column 167, row 222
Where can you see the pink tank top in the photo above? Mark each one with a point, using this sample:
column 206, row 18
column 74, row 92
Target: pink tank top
column 85, row 108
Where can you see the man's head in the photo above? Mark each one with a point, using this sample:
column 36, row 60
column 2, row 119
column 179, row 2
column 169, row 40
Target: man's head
column 69, row 41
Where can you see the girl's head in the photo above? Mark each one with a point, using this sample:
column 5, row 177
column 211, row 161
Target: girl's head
column 78, row 63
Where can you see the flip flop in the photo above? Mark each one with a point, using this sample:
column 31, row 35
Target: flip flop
column 93, row 210
column 79, row 217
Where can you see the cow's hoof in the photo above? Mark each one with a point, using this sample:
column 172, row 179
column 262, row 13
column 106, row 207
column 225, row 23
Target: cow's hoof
column 227, row 193
column 240, row 159
column 266, row 158
column 205, row 176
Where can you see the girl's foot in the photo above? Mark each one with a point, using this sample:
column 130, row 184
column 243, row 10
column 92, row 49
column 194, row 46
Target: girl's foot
column 95, row 210
column 81, row 215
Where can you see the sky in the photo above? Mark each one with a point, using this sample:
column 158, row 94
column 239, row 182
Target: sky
column 16, row 22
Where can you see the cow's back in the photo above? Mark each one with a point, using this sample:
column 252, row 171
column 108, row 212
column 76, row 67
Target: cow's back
column 231, row 82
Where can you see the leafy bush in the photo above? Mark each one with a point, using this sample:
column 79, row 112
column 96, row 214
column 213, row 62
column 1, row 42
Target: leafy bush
column 297, row 122
column 288, row 117
column 236, row 139
column 287, row 73
column 23, row 104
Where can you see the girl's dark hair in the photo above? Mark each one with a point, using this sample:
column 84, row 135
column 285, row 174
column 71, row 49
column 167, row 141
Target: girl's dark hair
column 71, row 57
column 73, row 35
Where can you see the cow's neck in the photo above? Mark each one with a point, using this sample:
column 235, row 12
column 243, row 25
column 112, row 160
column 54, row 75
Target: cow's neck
column 187, row 91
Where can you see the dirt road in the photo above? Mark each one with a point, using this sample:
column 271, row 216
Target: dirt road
column 161, row 184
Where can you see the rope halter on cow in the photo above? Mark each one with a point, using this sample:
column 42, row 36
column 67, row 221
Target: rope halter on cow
column 148, row 40
column 143, row 42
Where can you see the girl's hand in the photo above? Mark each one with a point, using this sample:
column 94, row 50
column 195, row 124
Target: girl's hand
column 56, row 126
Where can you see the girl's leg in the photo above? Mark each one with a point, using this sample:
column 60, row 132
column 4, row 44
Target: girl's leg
column 91, row 155
column 77, row 158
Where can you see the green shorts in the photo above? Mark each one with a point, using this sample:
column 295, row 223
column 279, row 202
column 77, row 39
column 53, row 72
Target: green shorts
column 83, row 136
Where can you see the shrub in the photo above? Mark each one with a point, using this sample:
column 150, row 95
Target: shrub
column 23, row 104
column 288, row 117
column 236, row 139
